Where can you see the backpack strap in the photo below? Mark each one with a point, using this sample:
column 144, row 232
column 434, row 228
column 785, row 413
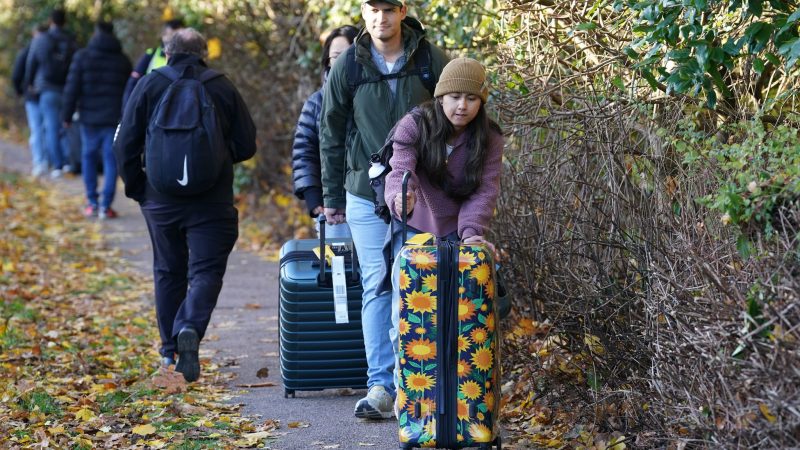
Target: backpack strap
column 422, row 59
column 173, row 75
column 208, row 75
column 422, row 69
column 169, row 72
column 353, row 70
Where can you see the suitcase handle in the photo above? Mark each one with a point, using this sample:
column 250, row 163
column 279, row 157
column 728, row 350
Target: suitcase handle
column 403, row 217
column 406, row 176
column 321, row 278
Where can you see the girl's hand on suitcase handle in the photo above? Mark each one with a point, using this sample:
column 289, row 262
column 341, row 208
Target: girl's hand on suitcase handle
column 478, row 239
column 398, row 203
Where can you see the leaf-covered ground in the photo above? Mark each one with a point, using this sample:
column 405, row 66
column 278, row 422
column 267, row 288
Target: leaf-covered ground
column 544, row 386
column 78, row 360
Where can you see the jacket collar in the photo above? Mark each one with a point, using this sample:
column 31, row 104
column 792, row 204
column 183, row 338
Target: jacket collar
column 185, row 59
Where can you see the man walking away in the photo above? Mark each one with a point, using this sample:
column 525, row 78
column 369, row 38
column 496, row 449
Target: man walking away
column 192, row 231
column 94, row 87
column 397, row 70
column 32, row 110
column 46, row 70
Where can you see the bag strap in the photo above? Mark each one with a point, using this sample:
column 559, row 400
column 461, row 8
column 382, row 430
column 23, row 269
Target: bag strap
column 173, row 75
column 169, row 72
column 422, row 69
column 353, row 70
column 208, row 75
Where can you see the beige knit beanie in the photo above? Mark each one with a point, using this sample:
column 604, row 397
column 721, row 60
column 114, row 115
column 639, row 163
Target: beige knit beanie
column 463, row 75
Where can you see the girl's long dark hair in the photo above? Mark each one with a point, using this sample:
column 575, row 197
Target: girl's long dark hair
column 434, row 130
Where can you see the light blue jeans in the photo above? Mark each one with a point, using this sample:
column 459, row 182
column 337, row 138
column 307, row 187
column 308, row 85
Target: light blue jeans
column 36, row 141
column 341, row 230
column 50, row 106
column 369, row 232
column 98, row 143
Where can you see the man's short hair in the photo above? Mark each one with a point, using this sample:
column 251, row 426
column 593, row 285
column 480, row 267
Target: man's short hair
column 58, row 17
column 187, row 40
column 174, row 24
column 104, row 27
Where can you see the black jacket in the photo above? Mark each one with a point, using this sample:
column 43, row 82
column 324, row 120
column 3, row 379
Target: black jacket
column 40, row 59
column 96, row 82
column 237, row 126
column 305, row 153
column 18, row 75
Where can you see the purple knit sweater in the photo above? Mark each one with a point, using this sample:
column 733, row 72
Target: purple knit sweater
column 435, row 212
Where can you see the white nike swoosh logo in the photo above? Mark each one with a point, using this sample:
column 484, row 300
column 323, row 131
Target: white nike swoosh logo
column 185, row 180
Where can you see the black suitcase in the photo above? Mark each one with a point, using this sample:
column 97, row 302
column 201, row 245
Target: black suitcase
column 317, row 353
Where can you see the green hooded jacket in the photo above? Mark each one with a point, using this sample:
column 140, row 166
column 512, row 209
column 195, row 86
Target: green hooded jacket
column 345, row 150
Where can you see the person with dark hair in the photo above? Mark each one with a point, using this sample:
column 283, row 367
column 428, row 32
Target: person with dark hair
column 94, row 88
column 192, row 234
column 453, row 152
column 305, row 149
column 152, row 59
column 32, row 110
column 395, row 66
column 46, row 72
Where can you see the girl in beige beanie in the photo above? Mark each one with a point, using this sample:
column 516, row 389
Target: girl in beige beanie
column 453, row 152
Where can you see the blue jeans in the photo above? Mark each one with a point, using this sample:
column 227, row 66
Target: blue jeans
column 36, row 141
column 341, row 230
column 50, row 106
column 98, row 142
column 368, row 232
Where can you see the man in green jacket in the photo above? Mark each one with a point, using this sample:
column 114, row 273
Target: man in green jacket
column 389, row 43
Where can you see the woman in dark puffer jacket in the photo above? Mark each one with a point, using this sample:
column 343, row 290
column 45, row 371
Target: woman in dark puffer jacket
column 305, row 149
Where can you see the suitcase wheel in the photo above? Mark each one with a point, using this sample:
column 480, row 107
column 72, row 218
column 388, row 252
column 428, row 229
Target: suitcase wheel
column 499, row 443
column 287, row 393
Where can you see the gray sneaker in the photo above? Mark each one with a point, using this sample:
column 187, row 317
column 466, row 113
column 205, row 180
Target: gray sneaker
column 377, row 405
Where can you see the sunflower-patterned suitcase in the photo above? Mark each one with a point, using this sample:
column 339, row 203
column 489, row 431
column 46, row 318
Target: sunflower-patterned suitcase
column 448, row 387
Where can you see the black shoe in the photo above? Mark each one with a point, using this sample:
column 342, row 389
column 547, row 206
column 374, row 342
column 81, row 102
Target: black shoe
column 166, row 361
column 188, row 359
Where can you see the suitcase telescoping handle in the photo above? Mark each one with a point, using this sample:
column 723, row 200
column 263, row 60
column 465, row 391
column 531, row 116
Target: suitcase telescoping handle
column 321, row 279
column 406, row 176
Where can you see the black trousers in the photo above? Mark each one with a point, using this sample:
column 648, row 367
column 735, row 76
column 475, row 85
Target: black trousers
column 191, row 244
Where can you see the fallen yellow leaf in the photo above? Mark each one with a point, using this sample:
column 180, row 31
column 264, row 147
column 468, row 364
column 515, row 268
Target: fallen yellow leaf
column 767, row 413
column 144, row 430
column 85, row 415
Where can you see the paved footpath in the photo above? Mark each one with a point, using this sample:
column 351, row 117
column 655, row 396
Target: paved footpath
column 243, row 337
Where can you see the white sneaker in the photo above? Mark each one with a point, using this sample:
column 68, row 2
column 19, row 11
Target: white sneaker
column 67, row 168
column 56, row 173
column 377, row 405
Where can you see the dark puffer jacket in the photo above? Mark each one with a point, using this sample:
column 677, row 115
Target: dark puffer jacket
column 305, row 154
column 96, row 82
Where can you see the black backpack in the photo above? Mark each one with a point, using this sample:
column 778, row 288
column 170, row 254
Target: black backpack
column 379, row 168
column 422, row 66
column 60, row 52
column 185, row 149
